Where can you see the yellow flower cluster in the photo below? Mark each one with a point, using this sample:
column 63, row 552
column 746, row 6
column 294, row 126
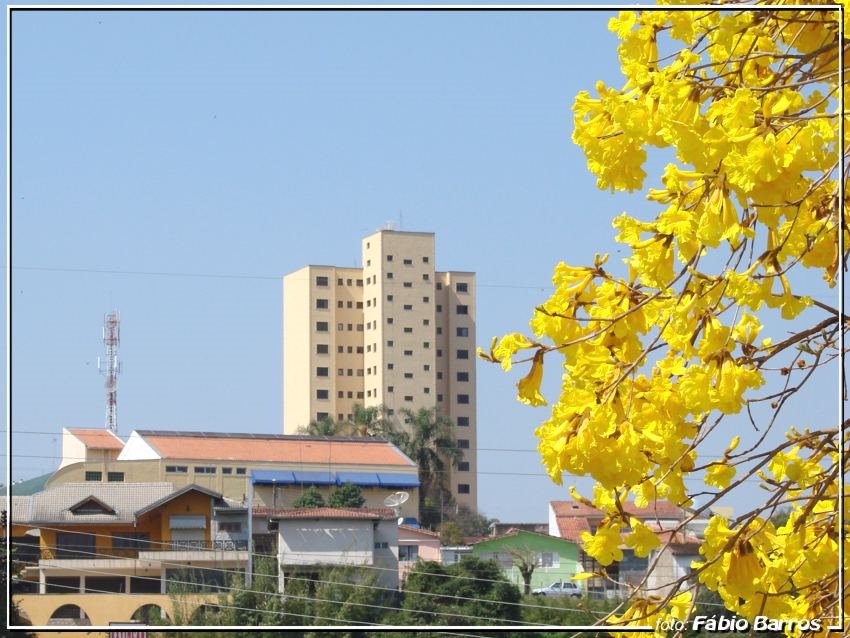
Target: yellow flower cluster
column 651, row 361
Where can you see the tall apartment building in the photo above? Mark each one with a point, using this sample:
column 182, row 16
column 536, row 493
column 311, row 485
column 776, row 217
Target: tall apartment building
column 394, row 332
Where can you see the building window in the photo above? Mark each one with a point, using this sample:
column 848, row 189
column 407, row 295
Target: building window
column 339, row 304
column 463, row 376
column 408, row 398
column 439, row 375
column 426, row 344
column 319, row 417
column 359, row 303
column 408, row 262
column 204, row 469
column 227, row 470
column 408, row 284
column 322, row 304
column 390, row 366
column 463, row 399
column 426, row 299
column 115, row 477
column 382, row 545
column 463, row 466
column 463, row 444
column 390, row 389
column 463, row 488
column 461, row 287
column 408, row 375
column 389, row 344
column 240, row 470
column 340, row 394
column 463, row 332
column 439, row 398
column 350, row 327
column 349, row 304
column 350, row 372
column 340, row 327
column 321, row 348
column 94, row 476
column 360, row 372
column 359, row 395
column 439, row 352
column 389, row 320
column 439, row 307
column 389, row 257
column 321, row 326
column 463, row 421
column 176, row 469
column 234, row 527
column 321, row 281
column 321, row 394
column 408, row 306
column 348, row 282
column 359, row 327
column 426, row 277
column 426, row 367
column 463, row 354
column 426, row 390
column 389, row 297
column 389, row 275
column 360, row 283
column 439, row 286
column 130, row 540
column 340, row 349
column 390, row 412
column 426, row 322
column 462, row 310
column 340, row 372
column 408, row 353
column 350, row 350
column 339, row 281
column 321, row 372
column 350, row 394
column 408, row 330
column 359, row 349
column 408, row 553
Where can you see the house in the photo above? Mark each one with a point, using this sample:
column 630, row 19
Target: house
column 313, row 538
column 414, row 544
column 672, row 561
column 568, row 519
column 99, row 542
column 552, row 558
column 278, row 467
column 451, row 554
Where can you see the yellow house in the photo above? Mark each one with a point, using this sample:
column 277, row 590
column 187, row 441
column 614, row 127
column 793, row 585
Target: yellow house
column 112, row 552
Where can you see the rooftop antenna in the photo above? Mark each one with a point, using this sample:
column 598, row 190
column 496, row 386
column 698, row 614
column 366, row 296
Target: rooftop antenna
column 110, row 367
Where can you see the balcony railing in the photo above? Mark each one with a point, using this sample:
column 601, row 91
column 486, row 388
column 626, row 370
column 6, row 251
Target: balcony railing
column 92, row 553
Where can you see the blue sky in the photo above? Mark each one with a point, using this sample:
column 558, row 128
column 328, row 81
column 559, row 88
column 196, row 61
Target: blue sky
column 222, row 150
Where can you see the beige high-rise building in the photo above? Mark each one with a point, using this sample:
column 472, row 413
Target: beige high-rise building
column 394, row 332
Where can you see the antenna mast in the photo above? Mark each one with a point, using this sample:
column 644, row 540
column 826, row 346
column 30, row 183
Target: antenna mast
column 110, row 367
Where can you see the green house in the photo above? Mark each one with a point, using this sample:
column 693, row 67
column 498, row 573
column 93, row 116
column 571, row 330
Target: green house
column 554, row 558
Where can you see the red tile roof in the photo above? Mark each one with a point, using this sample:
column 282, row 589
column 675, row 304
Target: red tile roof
column 658, row 509
column 98, row 439
column 274, row 448
column 326, row 512
column 571, row 528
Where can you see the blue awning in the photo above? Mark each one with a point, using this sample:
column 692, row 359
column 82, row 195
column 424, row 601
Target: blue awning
column 315, row 478
column 398, row 480
column 272, row 477
column 362, row 479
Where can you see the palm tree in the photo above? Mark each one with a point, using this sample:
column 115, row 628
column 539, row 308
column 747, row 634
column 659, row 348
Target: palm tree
column 428, row 440
column 325, row 426
column 370, row 421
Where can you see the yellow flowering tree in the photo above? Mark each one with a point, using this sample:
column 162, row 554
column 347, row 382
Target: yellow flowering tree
column 671, row 352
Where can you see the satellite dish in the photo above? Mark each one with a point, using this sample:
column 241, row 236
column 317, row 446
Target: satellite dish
column 396, row 499
column 400, row 520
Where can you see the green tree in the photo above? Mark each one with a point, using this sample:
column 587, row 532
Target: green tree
column 325, row 426
column 370, row 421
column 310, row 498
column 428, row 440
column 472, row 592
column 346, row 495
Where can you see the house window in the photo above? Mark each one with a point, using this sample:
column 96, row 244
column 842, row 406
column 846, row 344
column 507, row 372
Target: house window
column 233, row 527
column 463, row 399
column 130, row 540
column 321, row 348
column 204, row 469
column 463, row 421
column 461, row 287
column 321, row 394
column 463, row 444
column 176, row 469
column 462, row 310
column 321, row 326
column 321, row 281
column 321, row 372
column 408, row 553
column 115, row 477
column 463, row 488
column 322, row 304
column 227, row 470
column 546, row 559
column 463, row 354
column 382, row 545
column 463, row 376
column 463, row 332
column 94, row 476
column 240, row 470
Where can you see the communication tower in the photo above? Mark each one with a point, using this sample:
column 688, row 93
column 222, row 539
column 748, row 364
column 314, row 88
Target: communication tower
column 110, row 367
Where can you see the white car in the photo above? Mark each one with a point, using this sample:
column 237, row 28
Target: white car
column 559, row 588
